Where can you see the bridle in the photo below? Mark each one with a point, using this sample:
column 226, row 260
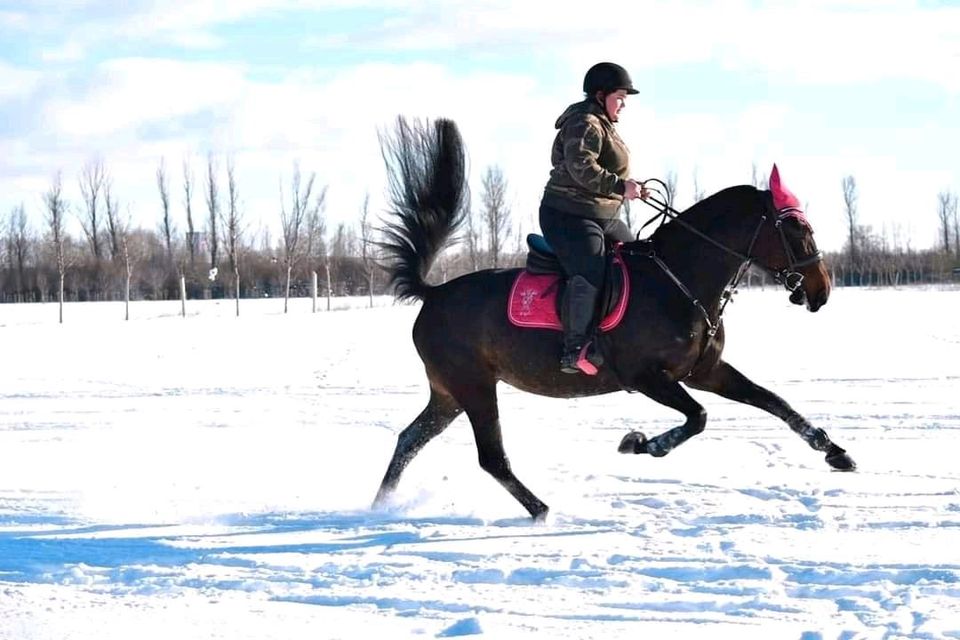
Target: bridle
column 789, row 276
column 790, row 273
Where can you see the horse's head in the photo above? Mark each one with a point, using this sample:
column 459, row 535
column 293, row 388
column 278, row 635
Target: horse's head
column 786, row 246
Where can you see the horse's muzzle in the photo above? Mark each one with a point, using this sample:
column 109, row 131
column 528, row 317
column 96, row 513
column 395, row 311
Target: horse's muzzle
column 816, row 301
column 798, row 296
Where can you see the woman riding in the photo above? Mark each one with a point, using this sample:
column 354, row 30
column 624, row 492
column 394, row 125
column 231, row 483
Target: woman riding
column 580, row 208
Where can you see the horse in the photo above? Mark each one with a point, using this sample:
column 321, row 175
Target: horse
column 670, row 335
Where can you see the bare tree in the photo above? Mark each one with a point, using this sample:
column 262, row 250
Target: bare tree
column 328, row 272
column 18, row 243
column 232, row 230
column 188, row 204
column 496, row 213
column 92, row 178
column 520, row 248
column 956, row 228
column 212, row 196
column 758, row 179
column 114, row 226
column 367, row 247
column 166, row 223
column 670, row 184
column 343, row 246
column 698, row 193
column 316, row 229
column 946, row 211
column 56, row 209
column 121, row 231
column 850, row 210
column 292, row 223
column 472, row 239
column 316, row 250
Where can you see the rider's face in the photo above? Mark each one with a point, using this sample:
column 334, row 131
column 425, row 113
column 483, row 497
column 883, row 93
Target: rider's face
column 614, row 103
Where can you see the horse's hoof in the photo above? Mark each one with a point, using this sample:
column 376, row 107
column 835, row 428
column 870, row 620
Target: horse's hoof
column 383, row 496
column 540, row 517
column 841, row 461
column 633, row 442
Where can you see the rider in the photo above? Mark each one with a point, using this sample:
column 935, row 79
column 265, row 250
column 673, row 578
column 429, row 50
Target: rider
column 581, row 202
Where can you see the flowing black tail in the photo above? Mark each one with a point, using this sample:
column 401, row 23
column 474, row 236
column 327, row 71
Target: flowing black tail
column 426, row 167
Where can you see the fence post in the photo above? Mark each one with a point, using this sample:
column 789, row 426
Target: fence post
column 183, row 296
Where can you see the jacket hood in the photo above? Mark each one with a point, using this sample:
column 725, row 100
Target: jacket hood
column 584, row 106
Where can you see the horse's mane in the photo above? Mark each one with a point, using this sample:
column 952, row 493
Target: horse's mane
column 739, row 199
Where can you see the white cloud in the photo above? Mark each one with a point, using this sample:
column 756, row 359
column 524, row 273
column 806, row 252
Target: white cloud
column 814, row 43
column 195, row 39
column 327, row 122
column 69, row 51
column 854, row 45
column 332, row 127
column 327, row 116
column 16, row 82
column 130, row 92
column 13, row 20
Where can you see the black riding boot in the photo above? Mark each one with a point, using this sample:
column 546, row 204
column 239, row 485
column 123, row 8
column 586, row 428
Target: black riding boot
column 576, row 315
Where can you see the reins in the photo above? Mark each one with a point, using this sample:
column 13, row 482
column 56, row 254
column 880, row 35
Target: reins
column 789, row 277
column 665, row 211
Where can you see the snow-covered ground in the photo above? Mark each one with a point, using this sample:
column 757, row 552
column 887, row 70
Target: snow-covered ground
column 210, row 477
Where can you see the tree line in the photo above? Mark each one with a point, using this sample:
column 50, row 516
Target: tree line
column 887, row 257
column 202, row 245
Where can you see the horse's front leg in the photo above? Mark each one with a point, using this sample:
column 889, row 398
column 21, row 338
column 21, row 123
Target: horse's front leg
column 668, row 392
column 726, row 381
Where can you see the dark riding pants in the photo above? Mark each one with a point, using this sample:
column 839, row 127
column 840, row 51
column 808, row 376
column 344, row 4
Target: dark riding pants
column 580, row 242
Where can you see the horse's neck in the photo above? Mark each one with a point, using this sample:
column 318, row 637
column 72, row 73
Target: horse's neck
column 703, row 267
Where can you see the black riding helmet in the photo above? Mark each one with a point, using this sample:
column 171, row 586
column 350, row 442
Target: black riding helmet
column 607, row 77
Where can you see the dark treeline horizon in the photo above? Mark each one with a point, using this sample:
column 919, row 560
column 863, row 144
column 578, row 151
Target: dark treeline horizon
column 202, row 238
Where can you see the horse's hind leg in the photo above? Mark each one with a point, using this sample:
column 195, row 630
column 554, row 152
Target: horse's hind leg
column 438, row 414
column 726, row 381
column 480, row 403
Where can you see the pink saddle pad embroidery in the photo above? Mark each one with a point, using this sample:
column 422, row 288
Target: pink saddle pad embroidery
column 533, row 301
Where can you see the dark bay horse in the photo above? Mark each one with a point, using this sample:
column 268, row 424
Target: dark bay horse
column 669, row 337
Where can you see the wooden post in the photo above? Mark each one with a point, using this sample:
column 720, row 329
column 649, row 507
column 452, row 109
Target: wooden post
column 286, row 289
column 329, row 285
column 236, row 288
column 183, row 296
column 128, row 271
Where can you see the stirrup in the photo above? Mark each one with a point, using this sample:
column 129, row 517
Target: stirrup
column 587, row 360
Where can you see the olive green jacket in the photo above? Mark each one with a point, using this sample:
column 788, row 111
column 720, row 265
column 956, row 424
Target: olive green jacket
column 590, row 164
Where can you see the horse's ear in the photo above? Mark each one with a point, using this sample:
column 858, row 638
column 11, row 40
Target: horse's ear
column 782, row 197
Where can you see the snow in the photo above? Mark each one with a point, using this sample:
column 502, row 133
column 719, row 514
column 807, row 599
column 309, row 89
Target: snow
column 211, row 477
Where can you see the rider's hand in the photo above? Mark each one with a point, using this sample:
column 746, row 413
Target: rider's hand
column 644, row 192
column 633, row 190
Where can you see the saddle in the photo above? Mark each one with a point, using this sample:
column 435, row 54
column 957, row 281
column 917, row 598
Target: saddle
column 535, row 297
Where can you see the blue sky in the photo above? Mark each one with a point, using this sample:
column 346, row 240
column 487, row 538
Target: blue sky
column 827, row 90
